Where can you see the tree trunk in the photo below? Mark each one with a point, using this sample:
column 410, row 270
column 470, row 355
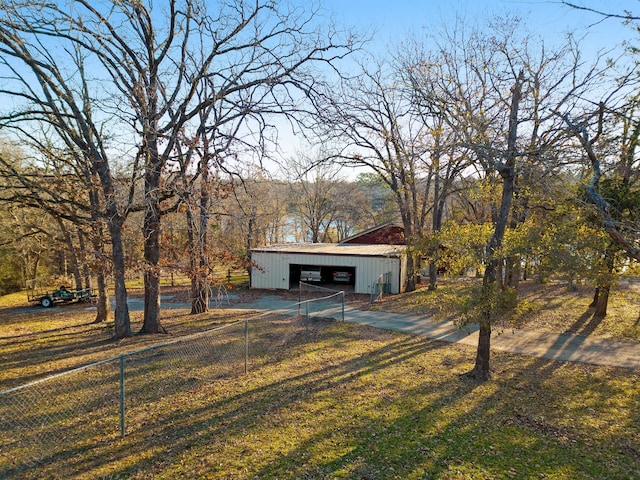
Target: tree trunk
column 436, row 223
column 193, row 259
column 499, row 275
column 73, row 254
column 86, row 274
column 601, row 297
column 513, row 272
column 410, row 286
column 249, row 246
column 201, row 285
column 122, row 322
column 602, row 302
column 151, row 230
column 596, row 295
column 433, row 275
column 200, row 303
column 481, row 370
column 102, row 302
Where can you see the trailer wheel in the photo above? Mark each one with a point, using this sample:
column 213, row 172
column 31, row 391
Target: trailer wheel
column 46, row 302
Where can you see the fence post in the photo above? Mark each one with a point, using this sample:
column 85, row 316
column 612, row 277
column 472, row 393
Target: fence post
column 246, row 346
column 122, row 407
column 343, row 306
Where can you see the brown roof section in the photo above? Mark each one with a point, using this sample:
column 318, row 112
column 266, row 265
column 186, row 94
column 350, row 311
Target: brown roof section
column 385, row 234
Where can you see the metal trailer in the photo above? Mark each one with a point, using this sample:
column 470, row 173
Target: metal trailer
column 61, row 295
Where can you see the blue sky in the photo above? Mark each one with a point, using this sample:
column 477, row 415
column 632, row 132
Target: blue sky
column 396, row 20
column 393, row 19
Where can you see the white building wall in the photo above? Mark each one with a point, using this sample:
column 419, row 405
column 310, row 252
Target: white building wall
column 272, row 271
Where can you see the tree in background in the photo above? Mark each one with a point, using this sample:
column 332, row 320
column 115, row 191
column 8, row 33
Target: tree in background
column 255, row 214
column 380, row 129
column 53, row 117
column 314, row 196
column 612, row 189
column 54, row 184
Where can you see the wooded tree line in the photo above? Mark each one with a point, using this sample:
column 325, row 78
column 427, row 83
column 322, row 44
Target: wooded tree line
column 129, row 118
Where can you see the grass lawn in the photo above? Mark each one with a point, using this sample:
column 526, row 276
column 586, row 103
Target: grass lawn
column 355, row 403
column 549, row 308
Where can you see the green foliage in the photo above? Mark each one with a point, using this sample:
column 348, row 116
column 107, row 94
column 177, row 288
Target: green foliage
column 623, row 199
column 463, row 246
column 486, row 303
column 572, row 250
column 370, row 179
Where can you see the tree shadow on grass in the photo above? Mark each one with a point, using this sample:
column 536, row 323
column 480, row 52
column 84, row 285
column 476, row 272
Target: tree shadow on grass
column 217, row 422
column 586, row 324
column 395, row 410
column 468, row 430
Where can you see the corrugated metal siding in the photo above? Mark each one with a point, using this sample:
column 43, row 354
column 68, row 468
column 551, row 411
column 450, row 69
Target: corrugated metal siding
column 370, row 269
column 272, row 271
column 273, row 268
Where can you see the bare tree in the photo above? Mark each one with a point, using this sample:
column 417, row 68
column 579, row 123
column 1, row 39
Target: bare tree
column 55, row 111
column 257, row 213
column 381, row 129
column 313, row 194
column 149, row 64
column 499, row 90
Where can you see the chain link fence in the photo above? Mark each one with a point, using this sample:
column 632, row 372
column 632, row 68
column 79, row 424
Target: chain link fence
column 73, row 412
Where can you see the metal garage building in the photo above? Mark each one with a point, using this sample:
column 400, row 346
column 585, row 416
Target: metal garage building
column 279, row 266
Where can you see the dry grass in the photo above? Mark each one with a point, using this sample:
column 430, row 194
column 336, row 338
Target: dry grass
column 356, row 403
column 545, row 307
column 37, row 342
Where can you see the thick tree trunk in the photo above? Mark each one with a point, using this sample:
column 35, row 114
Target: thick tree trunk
column 481, row 370
column 602, row 301
column 151, row 230
column 122, row 322
column 601, row 296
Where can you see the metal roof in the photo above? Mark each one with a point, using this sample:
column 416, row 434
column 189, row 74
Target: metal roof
column 335, row 249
